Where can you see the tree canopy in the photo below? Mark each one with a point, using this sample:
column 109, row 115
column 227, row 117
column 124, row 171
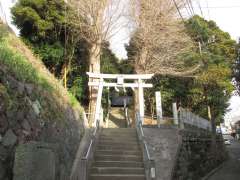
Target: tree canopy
column 237, row 69
column 211, row 85
column 46, row 26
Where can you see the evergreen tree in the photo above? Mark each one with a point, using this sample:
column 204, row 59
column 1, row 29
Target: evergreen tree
column 46, row 26
column 237, row 69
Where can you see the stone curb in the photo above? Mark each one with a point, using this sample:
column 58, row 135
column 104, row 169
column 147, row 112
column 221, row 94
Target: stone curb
column 213, row 171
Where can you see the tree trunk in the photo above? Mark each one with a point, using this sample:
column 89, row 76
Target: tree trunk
column 139, row 69
column 94, row 66
column 213, row 123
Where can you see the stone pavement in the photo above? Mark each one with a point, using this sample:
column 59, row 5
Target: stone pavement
column 231, row 169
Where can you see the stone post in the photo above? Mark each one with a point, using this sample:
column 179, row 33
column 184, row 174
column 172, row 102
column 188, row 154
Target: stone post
column 175, row 113
column 181, row 120
column 159, row 107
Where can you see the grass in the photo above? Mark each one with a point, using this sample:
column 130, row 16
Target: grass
column 19, row 66
column 20, row 62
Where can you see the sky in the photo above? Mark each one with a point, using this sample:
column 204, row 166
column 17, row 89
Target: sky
column 5, row 12
column 224, row 12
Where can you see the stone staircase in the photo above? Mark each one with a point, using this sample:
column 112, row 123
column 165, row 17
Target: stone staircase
column 118, row 156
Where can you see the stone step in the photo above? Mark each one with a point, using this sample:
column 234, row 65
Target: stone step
column 118, row 138
column 102, row 157
column 117, row 170
column 117, row 147
column 119, row 129
column 116, row 177
column 113, row 134
column 116, row 142
column 118, row 152
column 117, row 164
column 124, row 129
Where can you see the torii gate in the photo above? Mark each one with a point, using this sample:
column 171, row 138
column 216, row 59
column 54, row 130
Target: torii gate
column 119, row 83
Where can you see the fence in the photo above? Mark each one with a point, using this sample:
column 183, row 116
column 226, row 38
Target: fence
column 189, row 118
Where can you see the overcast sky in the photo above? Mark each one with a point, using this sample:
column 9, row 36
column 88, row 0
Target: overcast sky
column 225, row 13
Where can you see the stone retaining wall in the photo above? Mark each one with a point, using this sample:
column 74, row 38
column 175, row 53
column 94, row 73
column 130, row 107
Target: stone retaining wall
column 196, row 157
column 29, row 113
column 183, row 154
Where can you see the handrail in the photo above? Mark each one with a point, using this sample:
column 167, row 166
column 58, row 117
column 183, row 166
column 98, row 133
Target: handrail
column 151, row 163
column 86, row 158
column 127, row 116
column 126, row 113
column 147, row 151
column 144, row 142
column 89, row 150
column 92, row 140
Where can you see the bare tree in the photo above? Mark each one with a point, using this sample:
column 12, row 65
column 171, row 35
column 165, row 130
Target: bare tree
column 159, row 37
column 97, row 22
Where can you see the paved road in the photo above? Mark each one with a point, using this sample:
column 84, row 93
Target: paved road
column 231, row 169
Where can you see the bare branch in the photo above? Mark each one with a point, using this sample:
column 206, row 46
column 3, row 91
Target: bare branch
column 159, row 37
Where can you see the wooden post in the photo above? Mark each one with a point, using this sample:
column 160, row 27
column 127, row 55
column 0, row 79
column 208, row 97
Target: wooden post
column 141, row 100
column 159, row 107
column 175, row 113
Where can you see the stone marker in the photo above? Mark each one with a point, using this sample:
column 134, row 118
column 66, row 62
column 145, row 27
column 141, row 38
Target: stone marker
column 34, row 161
column 175, row 113
column 159, row 107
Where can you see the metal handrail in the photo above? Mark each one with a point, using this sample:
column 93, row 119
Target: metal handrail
column 151, row 163
column 92, row 139
column 85, row 159
column 144, row 142
column 126, row 114
column 88, row 151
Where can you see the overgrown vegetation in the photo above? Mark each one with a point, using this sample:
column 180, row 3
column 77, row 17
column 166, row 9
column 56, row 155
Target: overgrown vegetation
column 52, row 35
column 20, row 62
column 18, row 65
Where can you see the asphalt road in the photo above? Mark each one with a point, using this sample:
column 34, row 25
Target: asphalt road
column 231, row 169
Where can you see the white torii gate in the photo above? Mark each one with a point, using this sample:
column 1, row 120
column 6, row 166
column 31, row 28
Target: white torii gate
column 119, row 83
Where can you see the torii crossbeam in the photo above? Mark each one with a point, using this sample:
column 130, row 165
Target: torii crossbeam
column 100, row 83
